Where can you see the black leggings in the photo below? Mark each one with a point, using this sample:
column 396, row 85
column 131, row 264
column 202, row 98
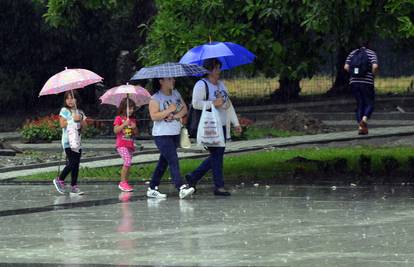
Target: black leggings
column 72, row 166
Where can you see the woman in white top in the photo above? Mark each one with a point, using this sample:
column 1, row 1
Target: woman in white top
column 217, row 96
column 166, row 108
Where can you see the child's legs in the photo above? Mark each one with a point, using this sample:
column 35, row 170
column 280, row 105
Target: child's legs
column 126, row 155
column 74, row 162
column 68, row 166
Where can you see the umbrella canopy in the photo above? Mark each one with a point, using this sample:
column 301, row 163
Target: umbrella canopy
column 167, row 70
column 115, row 95
column 69, row 79
column 239, row 55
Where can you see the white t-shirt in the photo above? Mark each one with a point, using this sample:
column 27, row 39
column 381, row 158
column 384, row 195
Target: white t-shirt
column 214, row 91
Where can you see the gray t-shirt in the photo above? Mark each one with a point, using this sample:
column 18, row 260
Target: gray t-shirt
column 164, row 127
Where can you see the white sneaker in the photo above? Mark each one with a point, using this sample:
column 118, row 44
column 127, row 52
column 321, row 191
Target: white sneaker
column 186, row 191
column 154, row 193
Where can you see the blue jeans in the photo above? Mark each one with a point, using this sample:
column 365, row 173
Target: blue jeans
column 213, row 162
column 168, row 157
column 365, row 97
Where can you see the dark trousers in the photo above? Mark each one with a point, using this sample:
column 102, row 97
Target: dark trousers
column 215, row 163
column 72, row 166
column 168, row 158
column 365, row 97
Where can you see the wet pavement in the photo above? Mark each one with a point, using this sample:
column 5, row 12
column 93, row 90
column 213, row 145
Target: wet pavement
column 256, row 226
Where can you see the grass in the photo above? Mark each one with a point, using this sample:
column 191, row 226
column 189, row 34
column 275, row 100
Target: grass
column 272, row 166
column 255, row 132
column 262, row 87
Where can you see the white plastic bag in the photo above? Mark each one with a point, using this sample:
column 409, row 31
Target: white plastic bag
column 73, row 136
column 210, row 129
column 184, row 138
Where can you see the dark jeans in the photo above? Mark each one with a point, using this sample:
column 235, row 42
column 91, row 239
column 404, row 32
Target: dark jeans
column 213, row 162
column 168, row 157
column 72, row 166
column 365, row 97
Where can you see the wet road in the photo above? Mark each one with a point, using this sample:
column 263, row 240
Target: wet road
column 256, row 226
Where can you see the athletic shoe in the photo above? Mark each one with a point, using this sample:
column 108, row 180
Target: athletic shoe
column 76, row 191
column 363, row 130
column 221, row 192
column 124, row 186
column 190, row 182
column 154, row 193
column 186, row 191
column 60, row 185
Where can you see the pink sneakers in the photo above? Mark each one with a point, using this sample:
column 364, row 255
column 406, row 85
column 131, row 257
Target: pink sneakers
column 124, row 186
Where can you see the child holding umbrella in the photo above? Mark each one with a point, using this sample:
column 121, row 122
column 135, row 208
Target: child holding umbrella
column 125, row 128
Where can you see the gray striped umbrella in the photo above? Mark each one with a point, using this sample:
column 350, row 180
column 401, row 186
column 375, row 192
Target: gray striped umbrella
column 169, row 69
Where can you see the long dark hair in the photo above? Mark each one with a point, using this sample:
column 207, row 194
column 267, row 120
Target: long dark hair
column 123, row 106
column 156, row 86
column 71, row 94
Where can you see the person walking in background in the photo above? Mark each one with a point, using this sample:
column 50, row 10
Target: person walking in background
column 70, row 116
column 217, row 96
column 125, row 128
column 362, row 65
column 166, row 109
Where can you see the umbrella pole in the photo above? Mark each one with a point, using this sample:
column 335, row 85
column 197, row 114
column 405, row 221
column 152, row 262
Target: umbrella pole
column 76, row 106
column 127, row 111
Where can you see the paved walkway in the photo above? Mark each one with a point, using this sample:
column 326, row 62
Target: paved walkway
column 232, row 147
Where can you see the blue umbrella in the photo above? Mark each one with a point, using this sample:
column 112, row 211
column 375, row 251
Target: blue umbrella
column 230, row 54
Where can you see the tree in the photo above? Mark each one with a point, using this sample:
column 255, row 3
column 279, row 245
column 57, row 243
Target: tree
column 270, row 29
column 343, row 22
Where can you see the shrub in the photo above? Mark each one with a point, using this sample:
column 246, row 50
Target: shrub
column 245, row 123
column 90, row 131
column 43, row 129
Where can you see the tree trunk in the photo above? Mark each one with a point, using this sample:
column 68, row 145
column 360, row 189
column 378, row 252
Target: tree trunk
column 288, row 89
column 341, row 84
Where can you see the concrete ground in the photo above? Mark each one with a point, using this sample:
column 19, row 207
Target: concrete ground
column 256, row 226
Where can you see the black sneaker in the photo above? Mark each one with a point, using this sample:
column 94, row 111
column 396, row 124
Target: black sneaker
column 221, row 192
column 190, row 183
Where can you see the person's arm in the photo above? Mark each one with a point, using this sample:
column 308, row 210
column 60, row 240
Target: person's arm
column 374, row 62
column 63, row 122
column 199, row 96
column 182, row 112
column 134, row 127
column 348, row 60
column 233, row 117
column 346, row 67
column 119, row 125
column 64, row 116
column 156, row 114
column 375, row 69
column 82, row 119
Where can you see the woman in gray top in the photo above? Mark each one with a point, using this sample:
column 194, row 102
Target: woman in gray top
column 166, row 108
